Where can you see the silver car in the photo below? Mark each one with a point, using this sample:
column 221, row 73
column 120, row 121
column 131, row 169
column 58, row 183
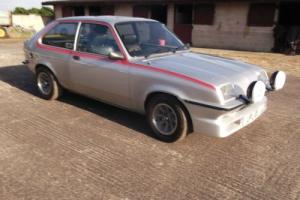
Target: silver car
column 138, row 64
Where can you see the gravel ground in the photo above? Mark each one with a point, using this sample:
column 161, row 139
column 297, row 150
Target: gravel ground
column 77, row 148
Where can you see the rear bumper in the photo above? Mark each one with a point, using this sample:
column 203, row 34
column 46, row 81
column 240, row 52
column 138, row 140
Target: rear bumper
column 221, row 123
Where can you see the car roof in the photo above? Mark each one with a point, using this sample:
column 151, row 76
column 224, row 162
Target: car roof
column 108, row 19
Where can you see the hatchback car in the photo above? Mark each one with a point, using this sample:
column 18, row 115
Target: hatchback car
column 138, row 64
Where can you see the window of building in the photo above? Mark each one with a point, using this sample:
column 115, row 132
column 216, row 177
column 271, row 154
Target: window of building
column 95, row 10
column 141, row 11
column 156, row 12
column 101, row 10
column 62, row 35
column 96, row 38
column 204, row 14
column 79, row 11
column 261, row 14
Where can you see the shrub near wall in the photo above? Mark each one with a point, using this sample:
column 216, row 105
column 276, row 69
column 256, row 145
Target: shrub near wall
column 44, row 11
column 31, row 20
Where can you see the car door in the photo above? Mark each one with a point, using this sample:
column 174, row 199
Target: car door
column 55, row 48
column 92, row 72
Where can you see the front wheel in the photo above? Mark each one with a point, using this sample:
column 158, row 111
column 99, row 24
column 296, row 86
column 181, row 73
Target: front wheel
column 47, row 84
column 167, row 118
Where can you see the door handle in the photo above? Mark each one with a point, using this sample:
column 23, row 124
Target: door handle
column 76, row 57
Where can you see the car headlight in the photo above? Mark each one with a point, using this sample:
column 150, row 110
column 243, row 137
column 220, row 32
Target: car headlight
column 227, row 91
column 256, row 91
column 263, row 76
column 277, row 80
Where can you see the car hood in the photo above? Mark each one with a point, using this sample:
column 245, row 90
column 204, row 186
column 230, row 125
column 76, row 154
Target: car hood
column 211, row 69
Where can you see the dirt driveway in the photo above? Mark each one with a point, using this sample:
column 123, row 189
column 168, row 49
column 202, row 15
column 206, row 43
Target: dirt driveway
column 77, row 148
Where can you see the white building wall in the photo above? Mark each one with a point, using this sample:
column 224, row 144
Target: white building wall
column 230, row 30
column 86, row 11
column 124, row 10
column 34, row 22
column 170, row 17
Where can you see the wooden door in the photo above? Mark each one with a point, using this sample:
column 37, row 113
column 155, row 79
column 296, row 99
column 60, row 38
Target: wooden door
column 141, row 11
column 67, row 11
column 183, row 22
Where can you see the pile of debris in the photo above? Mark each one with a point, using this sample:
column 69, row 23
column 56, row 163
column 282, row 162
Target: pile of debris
column 19, row 32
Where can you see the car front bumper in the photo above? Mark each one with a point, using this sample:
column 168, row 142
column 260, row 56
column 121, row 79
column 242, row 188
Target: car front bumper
column 221, row 123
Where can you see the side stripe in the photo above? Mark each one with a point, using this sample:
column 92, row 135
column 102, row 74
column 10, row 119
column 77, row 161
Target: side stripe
column 175, row 74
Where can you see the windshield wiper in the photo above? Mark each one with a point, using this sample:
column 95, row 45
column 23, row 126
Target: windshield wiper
column 154, row 52
column 179, row 48
column 160, row 50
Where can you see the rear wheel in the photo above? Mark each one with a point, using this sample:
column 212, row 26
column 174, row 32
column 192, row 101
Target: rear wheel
column 167, row 118
column 47, row 84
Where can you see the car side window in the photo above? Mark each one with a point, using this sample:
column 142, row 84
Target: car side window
column 96, row 38
column 62, row 35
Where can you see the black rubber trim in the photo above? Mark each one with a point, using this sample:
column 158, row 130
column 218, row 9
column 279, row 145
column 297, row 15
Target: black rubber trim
column 213, row 107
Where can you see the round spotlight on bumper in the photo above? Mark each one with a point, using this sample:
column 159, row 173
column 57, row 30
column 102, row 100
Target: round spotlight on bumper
column 256, row 91
column 277, row 80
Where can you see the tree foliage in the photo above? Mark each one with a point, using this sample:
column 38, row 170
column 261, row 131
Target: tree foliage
column 20, row 11
column 44, row 11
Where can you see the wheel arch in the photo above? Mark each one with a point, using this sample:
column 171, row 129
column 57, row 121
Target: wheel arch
column 156, row 93
column 41, row 65
column 45, row 65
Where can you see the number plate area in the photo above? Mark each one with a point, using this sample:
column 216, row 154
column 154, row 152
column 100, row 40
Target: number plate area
column 249, row 118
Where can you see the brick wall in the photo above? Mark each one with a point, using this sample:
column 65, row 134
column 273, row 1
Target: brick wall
column 230, row 30
column 58, row 11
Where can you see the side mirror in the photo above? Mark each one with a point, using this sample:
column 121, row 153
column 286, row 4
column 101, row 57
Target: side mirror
column 188, row 46
column 115, row 56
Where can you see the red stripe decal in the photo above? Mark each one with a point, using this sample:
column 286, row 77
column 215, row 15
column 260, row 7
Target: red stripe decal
column 54, row 49
column 175, row 74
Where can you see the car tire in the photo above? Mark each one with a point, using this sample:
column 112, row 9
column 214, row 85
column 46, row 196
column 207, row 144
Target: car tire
column 47, row 84
column 165, row 109
column 3, row 33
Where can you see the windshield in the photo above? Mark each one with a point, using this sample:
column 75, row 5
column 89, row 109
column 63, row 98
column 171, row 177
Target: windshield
column 144, row 38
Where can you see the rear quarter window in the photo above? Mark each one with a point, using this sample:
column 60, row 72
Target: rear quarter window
column 62, row 35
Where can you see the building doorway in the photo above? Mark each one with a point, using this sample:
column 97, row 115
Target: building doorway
column 287, row 34
column 101, row 10
column 183, row 22
column 159, row 13
column 68, row 11
column 156, row 12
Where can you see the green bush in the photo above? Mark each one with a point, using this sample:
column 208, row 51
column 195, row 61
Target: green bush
column 34, row 11
column 20, row 11
column 44, row 11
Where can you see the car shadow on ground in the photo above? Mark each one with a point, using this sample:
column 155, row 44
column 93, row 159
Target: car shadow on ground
column 19, row 76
